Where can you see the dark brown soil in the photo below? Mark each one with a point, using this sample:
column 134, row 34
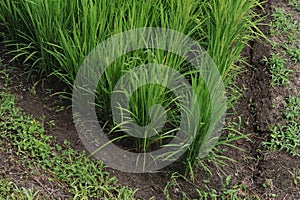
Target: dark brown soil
column 254, row 167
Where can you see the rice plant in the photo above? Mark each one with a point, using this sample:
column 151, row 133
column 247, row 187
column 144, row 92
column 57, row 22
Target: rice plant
column 55, row 36
column 229, row 26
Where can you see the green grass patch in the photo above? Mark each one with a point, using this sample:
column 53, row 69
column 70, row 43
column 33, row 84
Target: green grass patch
column 286, row 137
column 9, row 190
column 84, row 178
column 280, row 74
column 295, row 4
column 284, row 24
column 294, row 53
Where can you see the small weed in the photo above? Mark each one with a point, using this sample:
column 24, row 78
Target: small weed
column 272, row 195
column 279, row 72
column 174, row 185
column 268, row 183
column 296, row 176
column 294, row 53
column 275, row 45
column 4, row 74
column 51, row 123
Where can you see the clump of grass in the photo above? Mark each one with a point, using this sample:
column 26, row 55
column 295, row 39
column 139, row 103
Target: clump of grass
column 280, row 74
column 284, row 24
column 84, row 178
column 9, row 190
column 293, row 52
column 287, row 137
column 223, row 27
column 295, row 4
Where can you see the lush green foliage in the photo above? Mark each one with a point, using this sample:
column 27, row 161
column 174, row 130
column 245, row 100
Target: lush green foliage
column 54, row 37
